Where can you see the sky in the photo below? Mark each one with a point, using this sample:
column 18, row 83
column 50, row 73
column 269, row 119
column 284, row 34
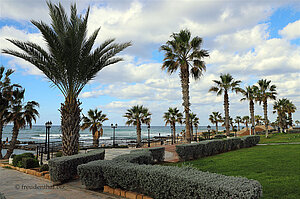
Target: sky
column 251, row 40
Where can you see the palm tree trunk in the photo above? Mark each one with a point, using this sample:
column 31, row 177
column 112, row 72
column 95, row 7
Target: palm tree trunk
column 247, row 126
column 138, row 133
column 192, row 131
column 290, row 119
column 226, row 109
column 239, row 126
column 95, row 140
column 184, row 74
column 251, row 106
column 174, row 132
column 217, row 128
column 70, row 126
column 13, row 142
column 1, row 132
column 266, row 117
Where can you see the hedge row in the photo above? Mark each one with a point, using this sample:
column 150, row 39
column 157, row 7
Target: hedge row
column 158, row 153
column 64, row 168
column 212, row 147
column 165, row 181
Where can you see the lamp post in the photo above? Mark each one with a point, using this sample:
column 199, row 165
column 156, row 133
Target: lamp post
column 114, row 133
column 235, row 130
column 208, row 129
column 253, row 129
column 148, row 135
column 47, row 143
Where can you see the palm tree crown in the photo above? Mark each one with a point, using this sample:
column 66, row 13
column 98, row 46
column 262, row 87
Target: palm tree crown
column 138, row 115
column 185, row 53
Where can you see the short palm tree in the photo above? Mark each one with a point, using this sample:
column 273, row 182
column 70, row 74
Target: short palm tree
column 224, row 85
column 94, row 122
column 297, row 122
column 138, row 115
column 290, row 108
column 185, row 53
column 258, row 119
column 265, row 92
column 193, row 119
column 196, row 123
column 20, row 115
column 215, row 118
column 69, row 63
column 172, row 117
column 280, row 106
column 246, row 120
column 250, row 94
column 238, row 120
column 6, row 91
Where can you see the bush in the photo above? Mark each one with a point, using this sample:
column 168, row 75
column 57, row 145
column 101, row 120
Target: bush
column 44, row 167
column 59, row 154
column 212, row 147
column 136, row 156
column 17, row 159
column 166, row 181
column 2, row 196
column 220, row 136
column 65, row 168
column 29, row 163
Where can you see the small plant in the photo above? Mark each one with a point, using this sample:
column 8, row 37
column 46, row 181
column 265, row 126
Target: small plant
column 6, row 167
column 2, row 196
column 29, row 163
column 17, row 159
column 44, row 167
column 59, row 154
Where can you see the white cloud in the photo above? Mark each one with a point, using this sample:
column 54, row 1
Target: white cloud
column 291, row 31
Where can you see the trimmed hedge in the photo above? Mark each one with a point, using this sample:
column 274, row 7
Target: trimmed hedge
column 212, row 147
column 136, row 156
column 158, row 153
column 29, row 163
column 17, row 159
column 64, row 168
column 166, row 181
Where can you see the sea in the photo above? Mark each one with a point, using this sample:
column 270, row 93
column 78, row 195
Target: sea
column 38, row 133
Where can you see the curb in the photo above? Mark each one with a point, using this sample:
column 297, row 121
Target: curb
column 125, row 194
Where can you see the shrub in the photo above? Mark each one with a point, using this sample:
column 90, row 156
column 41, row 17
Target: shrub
column 17, row 159
column 166, row 181
column 59, row 154
column 220, row 136
column 44, row 167
column 158, row 153
column 29, row 163
column 2, row 196
column 136, row 156
column 65, row 168
column 212, row 147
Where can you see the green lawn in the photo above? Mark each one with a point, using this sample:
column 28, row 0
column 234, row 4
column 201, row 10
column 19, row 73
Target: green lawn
column 280, row 138
column 276, row 167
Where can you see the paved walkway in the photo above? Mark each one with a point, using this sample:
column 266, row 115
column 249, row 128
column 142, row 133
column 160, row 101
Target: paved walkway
column 281, row 143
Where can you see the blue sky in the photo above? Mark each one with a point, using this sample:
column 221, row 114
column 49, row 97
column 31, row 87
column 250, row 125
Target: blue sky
column 250, row 40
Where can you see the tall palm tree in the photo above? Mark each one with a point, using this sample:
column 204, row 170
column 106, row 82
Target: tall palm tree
column 185, row 53
column 20, row 115
column 94, row 122
column 138, row 115
column 172, row 117
column 265, row 92
column 238, row 120
column 69, row 62
column 290, row 108
column 246, row 120
column 6, row 91
column 258, row 118
column 250, row 94
column 215, row 118
column 224, row 85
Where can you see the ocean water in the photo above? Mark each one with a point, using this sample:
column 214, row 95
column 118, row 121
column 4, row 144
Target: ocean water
column 38, row 133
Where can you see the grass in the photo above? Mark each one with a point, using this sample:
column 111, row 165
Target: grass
column 280, row 138
column 276, row 167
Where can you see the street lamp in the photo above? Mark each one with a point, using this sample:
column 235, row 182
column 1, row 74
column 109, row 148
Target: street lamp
column 235, row 130
column 148, row 135
column 253, row 129
column 114, row 133
column 47, row 143
column 208, row 129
